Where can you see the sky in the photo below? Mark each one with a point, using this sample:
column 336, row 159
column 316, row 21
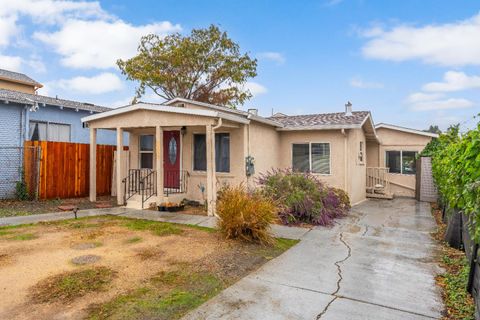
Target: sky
column 411, row 63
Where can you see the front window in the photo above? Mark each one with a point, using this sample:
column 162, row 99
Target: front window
column 48, row 131
column 311, row 157
column 222, row 152
column 146, row 152
column 402, row 162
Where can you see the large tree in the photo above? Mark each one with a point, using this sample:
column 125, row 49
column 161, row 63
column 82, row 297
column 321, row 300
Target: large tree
column 433, row 129
column 205, row 66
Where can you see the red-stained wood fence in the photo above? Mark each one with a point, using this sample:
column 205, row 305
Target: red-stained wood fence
column 64, row 169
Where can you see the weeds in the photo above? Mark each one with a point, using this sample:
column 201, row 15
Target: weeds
column 68, row 286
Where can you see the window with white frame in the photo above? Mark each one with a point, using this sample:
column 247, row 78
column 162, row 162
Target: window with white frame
column 48, row 131
column 311, row 157
column 403, row 162
column 146, row 151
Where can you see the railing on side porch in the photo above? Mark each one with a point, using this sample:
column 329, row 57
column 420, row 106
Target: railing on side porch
column 148, row 186
column 131, row 184
column 378, row 181
column 175, row 181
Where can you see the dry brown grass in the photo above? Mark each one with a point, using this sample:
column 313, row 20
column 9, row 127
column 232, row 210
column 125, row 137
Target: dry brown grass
column 68, row 286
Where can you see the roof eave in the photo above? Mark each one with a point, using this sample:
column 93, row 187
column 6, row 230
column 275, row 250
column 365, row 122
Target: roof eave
column 163, row 108
column 408, row 130
column 320, row 127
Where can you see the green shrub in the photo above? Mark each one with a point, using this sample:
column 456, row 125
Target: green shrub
column 456, row 170
column 246, row 216
column 21, row 190
column 301, row 197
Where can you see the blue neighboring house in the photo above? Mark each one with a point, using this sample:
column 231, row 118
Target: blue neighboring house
column 24, row 115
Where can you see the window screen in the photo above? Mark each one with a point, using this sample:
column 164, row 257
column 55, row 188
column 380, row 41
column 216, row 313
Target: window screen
column 408, row 162
column 321, row 158
column 199, row 152
column 146, row 151
column 393, row 161
column 301, row 157
column 222, row 152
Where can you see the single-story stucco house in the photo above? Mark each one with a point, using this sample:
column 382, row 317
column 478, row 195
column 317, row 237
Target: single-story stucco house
column 187, row 149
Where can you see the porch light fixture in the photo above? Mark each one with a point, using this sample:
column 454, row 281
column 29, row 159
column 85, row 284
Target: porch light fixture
column 183, row 130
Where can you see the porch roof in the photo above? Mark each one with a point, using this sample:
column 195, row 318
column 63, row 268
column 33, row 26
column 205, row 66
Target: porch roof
column 167, row 109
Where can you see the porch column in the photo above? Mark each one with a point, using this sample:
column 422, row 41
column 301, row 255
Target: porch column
column 159, row 161
column 211, row 183
column 93, row 165
column 119, row 167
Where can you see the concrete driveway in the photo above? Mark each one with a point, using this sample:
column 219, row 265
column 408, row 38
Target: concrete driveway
column 376, row 264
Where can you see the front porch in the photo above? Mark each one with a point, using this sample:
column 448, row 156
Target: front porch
column 174, row 153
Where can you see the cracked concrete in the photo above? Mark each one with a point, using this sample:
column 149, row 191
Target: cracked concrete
column 376, row 264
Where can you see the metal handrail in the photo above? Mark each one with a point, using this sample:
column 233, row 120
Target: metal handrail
column 132, row 181
column 175, row 181
column 148, row 186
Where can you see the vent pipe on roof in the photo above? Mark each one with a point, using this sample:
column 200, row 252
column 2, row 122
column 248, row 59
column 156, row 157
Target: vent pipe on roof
column 348, row 108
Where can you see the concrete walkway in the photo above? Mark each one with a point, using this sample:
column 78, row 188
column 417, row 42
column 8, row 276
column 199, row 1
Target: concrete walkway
column 376, row 264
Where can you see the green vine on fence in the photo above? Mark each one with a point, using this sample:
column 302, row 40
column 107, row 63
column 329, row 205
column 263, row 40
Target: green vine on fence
column 456, row 170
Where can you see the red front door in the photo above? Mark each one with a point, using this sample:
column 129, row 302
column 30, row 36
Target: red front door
column 171, row 159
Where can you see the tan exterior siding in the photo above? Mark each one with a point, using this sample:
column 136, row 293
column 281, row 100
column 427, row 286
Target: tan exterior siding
column 26, row 88
column 394, row 140
column 356, row 181
column 263, row 143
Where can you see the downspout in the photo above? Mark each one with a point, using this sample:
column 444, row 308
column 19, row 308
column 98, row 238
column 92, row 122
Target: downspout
column 345, row 149
column 218, row 125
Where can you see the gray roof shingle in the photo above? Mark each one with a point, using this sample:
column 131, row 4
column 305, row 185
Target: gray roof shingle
column 319, row 120
column 17, row 76
column 27, row 98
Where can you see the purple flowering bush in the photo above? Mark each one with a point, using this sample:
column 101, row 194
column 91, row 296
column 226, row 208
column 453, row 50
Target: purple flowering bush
column 303, row 198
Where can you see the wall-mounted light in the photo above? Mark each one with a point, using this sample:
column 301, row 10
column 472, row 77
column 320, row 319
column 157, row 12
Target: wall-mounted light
column 183, row 130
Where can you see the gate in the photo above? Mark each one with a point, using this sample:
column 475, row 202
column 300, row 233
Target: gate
column 19, row 165
column 425, row 189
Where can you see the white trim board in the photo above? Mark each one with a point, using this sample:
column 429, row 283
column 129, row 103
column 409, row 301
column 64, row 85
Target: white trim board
column 408, row 130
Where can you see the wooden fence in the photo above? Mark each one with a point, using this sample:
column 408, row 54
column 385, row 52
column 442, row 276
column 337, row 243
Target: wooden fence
column 64, row 169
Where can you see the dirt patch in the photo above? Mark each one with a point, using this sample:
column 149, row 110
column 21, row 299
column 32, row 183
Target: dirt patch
column 155, row 249
column 86, row 259
column 11, row 208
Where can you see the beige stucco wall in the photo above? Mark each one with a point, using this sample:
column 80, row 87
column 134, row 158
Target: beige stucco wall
column 373, row 154
column 356, row 181
column 394, row 140
column 17, row 86
column 263, row 144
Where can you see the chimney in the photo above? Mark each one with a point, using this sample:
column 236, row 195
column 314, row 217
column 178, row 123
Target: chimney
column 348, row 108
column 253, row 111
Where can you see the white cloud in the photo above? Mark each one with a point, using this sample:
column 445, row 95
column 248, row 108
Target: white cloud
column 46, row 12
column 99, row 84
column 453, row 81
column 12, row 63
column 451, row 44
column 359, row 83
column 8, row 29
column 255, row 88
column 272, row 56
column 452, row 103
column 98, row 44
column 423, row 97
